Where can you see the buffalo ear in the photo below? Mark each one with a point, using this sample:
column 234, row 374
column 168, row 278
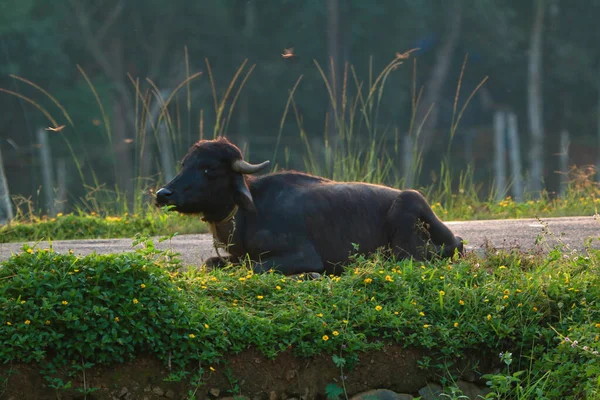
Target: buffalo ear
column 242, row 196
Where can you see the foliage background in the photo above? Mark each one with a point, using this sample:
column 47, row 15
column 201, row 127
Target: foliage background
column 115, row 42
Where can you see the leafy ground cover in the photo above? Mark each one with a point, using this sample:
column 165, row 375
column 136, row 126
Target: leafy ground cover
column 460, row 207
column 536, row 315
column 94, row 226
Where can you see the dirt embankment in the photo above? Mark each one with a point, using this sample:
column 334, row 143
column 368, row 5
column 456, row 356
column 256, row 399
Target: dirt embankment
column 247, row 374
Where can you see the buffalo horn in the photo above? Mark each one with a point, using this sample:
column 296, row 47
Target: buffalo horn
column 244, row 167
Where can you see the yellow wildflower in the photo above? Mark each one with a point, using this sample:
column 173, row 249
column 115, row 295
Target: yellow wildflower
column 461, row 302
column 325, row 338
column 278, row 287
column 135, row 301
column 30, row 251
column 389, row 278
column 47, row 322
column 534, row 308
column 378, row 308
column 206, row 326
column 8, row 323
column 426, row 326
column 192, row 336
column 442, row 293
column 212, row 369
column 143, row 286
column 335, row 333
column 116, row 319
column 27, row 322
column 64, row 302
column 422, row 314
column 368, row 280
column 456, row 324
column 489, row 317
column 259, row 297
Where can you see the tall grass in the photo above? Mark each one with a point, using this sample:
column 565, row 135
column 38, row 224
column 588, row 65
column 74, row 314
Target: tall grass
column 354, row 145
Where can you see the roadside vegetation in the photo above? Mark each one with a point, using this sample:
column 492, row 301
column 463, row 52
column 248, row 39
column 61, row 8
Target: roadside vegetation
column 95, row 226
column 358, row 152
column 535, row 316
column 92, row 225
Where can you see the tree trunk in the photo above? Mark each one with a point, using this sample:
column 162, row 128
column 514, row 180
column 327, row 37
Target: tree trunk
column 514, row 151
column 333, row 64
column 564, row 162
column 122, row 150
column 535, row 105
column 61, row 182
column 500, row 154
column 598, row 135
column 47, row 171
column 6, row 210
column 433, row 87
column 166, row 152
column 407, row 157
column 120, row 128
column 146, row 145
column 244, row 103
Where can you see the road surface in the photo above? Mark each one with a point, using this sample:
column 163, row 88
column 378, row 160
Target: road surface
column 521, row 233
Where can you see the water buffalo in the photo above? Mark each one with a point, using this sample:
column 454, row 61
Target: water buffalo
column 293, row 222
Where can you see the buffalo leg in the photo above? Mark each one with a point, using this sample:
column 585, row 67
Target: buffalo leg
column 219, row 262
column 297, row 261
column 409, row 211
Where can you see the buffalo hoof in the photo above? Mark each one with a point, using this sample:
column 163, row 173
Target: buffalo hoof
column 216, row 263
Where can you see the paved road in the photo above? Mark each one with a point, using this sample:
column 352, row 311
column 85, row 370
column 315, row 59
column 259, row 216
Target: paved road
column 520, row 233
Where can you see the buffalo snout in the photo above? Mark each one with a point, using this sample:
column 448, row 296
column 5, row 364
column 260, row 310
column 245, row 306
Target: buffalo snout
column 164, row 197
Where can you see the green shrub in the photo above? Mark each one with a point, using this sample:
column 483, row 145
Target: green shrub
column 92, row 226
column 62, row 310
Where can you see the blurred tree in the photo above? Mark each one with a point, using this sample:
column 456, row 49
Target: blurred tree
column 117, row 41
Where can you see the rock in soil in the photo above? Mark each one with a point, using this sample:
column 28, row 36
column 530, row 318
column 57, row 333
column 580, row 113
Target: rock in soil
column 381, row 394
column 472, row 391
column 431, row 392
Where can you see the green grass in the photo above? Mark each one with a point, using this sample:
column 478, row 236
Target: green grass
column 358, row 151
column 59, row 310
column 93, row 226
column 81, row 225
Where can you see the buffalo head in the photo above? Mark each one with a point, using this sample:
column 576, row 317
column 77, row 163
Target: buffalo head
column 211, row 181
